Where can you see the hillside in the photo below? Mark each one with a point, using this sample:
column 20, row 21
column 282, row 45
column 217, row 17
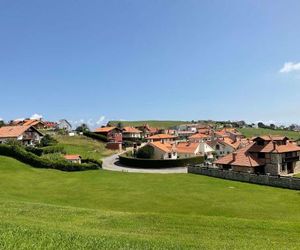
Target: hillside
column 151, row 123
column 42, row 208
column 250, row 132
column 84, row 146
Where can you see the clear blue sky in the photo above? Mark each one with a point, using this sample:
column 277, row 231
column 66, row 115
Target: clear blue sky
column 159, row 59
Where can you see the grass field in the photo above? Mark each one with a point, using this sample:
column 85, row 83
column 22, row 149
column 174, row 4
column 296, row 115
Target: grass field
column 84, row 146
column 48, row 209
column 250, row 132
column 151, row 123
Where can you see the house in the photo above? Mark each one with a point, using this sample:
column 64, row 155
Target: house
column 266, row 154
column 113, row 134
column 131, row 133
column 188, row 149
column 206, row 150
column 147, row 130
column 38, row 124
column 163, row 151
column 50, row 125
column 73, row 158
column 199, row 138
column 163, row 138
column 185, row 134
column 63, row 124
column 27, row 135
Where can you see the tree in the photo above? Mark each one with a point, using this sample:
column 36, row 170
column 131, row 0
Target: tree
column 47, row 140
column 2, row 123
column 272, row 126
column 82, row 128
column 120, row 125
column 145, row 152
column 261, row 125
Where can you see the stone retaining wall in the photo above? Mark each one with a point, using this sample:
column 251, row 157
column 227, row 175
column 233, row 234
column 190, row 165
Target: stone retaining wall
column 269, row 180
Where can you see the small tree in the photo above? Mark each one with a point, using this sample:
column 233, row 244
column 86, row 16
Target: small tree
column 2, row 123
column 82, row 128
column 47, row 140
column 120, row 125
column 145, row 152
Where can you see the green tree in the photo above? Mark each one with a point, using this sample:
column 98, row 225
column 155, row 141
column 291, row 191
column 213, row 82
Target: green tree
column 145, row 152
column 47, row 140
column 82, row 128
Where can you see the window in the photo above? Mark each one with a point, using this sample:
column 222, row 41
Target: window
column 217, row 147
column 261, row 155
column 260, row 142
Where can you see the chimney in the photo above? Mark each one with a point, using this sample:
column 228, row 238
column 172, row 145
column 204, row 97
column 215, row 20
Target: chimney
column 234, row 156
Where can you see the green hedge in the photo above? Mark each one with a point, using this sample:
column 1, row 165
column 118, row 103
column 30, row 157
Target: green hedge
column 35, row 161
column 46, row 150
column 95, row 136
column 149, row 163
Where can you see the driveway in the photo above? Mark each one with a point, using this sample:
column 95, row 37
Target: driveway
column 111, row 163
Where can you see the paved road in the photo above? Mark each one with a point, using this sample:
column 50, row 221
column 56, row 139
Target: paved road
column 112, row 163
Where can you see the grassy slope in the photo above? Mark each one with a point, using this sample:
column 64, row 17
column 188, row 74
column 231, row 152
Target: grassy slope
column 86, row 147
column 52, row 209
column 250, row 132
column 151, row 123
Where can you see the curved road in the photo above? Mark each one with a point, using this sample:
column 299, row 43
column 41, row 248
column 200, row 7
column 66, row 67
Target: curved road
column 111, row 163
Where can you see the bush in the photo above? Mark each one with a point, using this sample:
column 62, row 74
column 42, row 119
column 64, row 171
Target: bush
column 54, row 149
column 47, row 140
column 145, row 152
column 36, row 151
column 22, row 155
column 95, row 136
column 148, row 163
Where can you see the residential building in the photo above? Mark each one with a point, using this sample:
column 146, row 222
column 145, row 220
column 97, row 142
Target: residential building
column 131, row 133
column 199, row 138
column 73, row 158
column 113, row 134
column 274, row 155
column 27, row 135
column 63, row 124
column 163, row 138
column 147, row 130
column 163, row 151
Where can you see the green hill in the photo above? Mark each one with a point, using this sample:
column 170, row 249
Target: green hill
column 151, row 123
column 49, row 209
column 250, row 132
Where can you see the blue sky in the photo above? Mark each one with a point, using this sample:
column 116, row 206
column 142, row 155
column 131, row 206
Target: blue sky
column 159, row 59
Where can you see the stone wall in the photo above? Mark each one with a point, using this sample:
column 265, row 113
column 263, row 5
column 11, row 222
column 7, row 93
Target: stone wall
column 275, row 181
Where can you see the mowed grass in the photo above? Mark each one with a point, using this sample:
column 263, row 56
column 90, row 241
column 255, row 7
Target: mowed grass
column 151, row 123
column 84, row 146
column 250, row 132
column 49, row 209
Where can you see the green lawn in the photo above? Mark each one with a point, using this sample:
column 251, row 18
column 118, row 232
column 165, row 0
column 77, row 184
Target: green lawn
column 151, row 123
column 250, row 132
column 49, row 209
column 86, row 147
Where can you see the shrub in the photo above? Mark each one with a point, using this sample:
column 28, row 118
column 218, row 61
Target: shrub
column 145, row 152
column 34, row 150
column 149, row 163
column 47, row 140
column 54, row 149
column 95, row 136
column 22, row 155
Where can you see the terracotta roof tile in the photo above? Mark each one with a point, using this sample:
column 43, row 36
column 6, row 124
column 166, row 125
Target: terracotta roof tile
column 12, row 131
column 161, row 136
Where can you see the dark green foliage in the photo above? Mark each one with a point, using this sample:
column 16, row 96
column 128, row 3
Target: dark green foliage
column 82, row 128
column 48, row 140
column 148, row 163
column 54, row 149
column 22, row 155
column 34, row 150
column 145, row 152
column 95, row 136
column 90, row 160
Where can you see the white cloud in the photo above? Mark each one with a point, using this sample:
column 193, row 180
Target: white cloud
column 100, row 120
column 289, row 67
column 1, row 119
column 36, row 117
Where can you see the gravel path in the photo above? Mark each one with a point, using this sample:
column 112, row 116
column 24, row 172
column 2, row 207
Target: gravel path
column 111, row 163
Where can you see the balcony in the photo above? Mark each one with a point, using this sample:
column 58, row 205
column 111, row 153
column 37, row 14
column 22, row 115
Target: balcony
column 290, row 159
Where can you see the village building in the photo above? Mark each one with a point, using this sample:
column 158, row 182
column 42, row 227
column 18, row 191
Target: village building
column 199, row 138
column 163, row 138
column 273, row 155
column 163, row 151
column 63, row 124
column 147, row 130
column 27, row 135
column 131, row 133
column 73, row 158
column 113, row 135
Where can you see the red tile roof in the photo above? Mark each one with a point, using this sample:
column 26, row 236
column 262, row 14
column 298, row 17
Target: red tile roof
column 198, row 136
column 165, row 147
column 161, row 136
column 72, row 157
column 131, row 130
column 186, row 147
column 12, row 131
column 241, row 158
column 272, row 147
column 104, row 129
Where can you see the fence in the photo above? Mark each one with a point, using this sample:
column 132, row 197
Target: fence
column 269, row 180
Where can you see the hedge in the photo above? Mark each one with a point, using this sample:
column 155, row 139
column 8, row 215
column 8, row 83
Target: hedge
column 46, row 150
column 150, row 163
column 35, row 161
column 95, row 136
